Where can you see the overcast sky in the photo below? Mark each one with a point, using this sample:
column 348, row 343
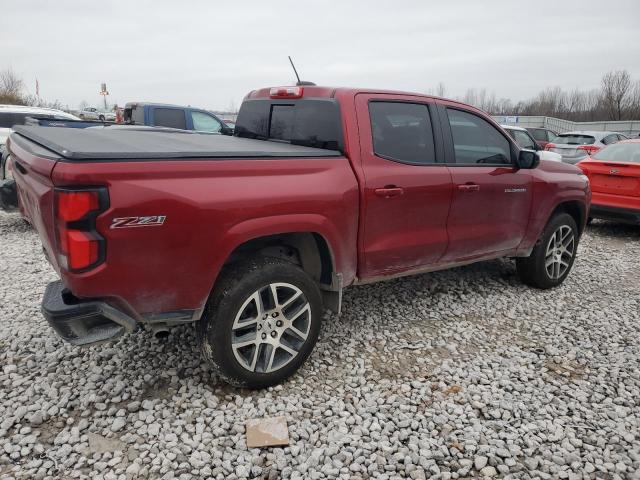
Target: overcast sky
column 211, row 53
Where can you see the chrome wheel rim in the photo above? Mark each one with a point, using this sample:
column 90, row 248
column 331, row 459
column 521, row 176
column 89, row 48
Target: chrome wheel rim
column 271, row 327
column 560, row 251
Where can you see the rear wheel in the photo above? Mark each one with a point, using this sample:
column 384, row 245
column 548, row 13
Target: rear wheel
column 261, row 322
column 101, row 118
column 552, row 258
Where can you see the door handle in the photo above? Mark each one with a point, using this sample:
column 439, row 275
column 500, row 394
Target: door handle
column 469, row 187
column 389, row 191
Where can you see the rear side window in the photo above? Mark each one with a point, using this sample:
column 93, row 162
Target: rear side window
column 169, row 117
column 402, row 132
column 620, row 152
column 8, row 120
column 476, row 141
column 308, row 122
column 574, row 139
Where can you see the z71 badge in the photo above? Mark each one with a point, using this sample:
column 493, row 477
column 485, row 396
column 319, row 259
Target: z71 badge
column 126, row 222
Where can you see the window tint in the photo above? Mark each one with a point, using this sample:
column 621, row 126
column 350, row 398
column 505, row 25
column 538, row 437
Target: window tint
column 609, row 139
column 203, row 122
column 312, row 123
column 620, row 152
column 169, row 117
column 477, row 141
column 8, row 120
column 402, row 132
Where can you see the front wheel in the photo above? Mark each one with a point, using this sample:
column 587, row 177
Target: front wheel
column 552, row 258
column 261, row 322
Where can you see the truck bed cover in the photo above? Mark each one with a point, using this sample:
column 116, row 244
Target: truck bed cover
column 109, row 143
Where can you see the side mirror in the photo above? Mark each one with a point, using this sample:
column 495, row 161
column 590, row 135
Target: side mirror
column 528, row 159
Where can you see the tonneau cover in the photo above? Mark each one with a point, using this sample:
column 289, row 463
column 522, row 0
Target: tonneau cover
column 109, row 143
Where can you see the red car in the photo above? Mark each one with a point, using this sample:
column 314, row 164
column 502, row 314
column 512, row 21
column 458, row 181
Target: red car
column 614, row 173
column 254, row 236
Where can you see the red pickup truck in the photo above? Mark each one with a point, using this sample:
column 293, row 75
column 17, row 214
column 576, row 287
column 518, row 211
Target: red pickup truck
column 254, row 236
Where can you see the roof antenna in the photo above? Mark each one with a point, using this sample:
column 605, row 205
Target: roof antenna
column 300, row 82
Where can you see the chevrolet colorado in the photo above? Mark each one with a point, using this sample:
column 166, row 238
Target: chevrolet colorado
column 254, row 236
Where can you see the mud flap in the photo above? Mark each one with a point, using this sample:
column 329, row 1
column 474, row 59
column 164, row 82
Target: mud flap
column 8, row 195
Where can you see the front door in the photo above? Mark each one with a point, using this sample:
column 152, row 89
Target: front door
column 407, row 189
column 491, row 201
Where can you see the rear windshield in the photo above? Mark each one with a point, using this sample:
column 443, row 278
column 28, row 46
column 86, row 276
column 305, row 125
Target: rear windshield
column 8, row 120
column 573, row 139
column 620, row 152
column 308, row 122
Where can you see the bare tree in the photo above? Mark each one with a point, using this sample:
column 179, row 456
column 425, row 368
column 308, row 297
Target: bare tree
column 616, row 89
column 11, row 87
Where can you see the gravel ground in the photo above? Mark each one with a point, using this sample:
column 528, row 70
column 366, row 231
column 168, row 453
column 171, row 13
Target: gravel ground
column 458, row 374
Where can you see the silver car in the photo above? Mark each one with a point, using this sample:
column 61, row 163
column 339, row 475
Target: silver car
column 576, row 146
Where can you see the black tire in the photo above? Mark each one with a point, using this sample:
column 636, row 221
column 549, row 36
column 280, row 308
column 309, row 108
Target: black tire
column 236, row 286
column 101, row 118
column 589, row 220
column 532, row 269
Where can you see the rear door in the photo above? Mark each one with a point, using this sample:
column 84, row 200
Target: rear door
column 407, row 188
column 491, row 197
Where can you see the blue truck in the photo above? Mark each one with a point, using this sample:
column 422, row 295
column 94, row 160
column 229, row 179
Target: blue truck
column 174, row 116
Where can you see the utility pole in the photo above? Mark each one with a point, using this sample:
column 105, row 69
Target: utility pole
column 104, row 92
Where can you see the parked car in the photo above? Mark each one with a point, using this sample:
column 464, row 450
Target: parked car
column 92, row 113
column 542, row 135
column 11, row 115
column 576, row 146
column 524, row 140
column 254, row 236
column 174, row 116
column 614, row 173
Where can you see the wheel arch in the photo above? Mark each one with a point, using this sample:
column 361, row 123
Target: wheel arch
column 310, row 250
column 575, row 209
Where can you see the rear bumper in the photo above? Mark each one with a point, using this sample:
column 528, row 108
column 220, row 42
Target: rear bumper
column 626, row 215
column 83, row 322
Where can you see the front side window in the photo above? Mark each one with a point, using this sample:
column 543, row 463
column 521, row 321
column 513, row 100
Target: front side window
column 170, row 117
column 523, row 139
column 539, row 134
column 402, row 132
column 609, row 139
column 476, row 141
column 203, row 122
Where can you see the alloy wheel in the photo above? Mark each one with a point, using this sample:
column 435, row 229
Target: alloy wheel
column 560, row 251
column 271, row 327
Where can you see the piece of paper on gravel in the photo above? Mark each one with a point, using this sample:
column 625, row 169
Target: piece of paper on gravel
column 267, row 432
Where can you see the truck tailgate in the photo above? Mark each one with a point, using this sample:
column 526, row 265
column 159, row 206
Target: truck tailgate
column 32, row 169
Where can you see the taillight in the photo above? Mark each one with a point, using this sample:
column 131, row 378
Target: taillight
column 80, row 247
column 286, row 92
column 549, row 146
column 590, row 149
